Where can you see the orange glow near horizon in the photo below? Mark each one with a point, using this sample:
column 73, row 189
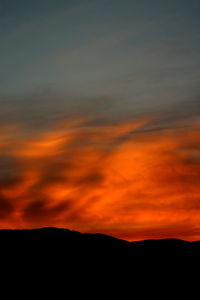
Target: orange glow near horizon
column 117, row 179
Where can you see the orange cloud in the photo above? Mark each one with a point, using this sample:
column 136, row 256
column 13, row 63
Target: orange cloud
column 117, row 179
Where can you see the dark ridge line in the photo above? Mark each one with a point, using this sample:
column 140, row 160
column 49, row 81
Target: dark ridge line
column 74, row 238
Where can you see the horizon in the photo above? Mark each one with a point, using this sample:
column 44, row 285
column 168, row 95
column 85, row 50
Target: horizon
column 93, row 234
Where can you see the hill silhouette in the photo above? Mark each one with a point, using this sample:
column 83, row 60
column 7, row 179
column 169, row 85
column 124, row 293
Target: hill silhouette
column 59, row 239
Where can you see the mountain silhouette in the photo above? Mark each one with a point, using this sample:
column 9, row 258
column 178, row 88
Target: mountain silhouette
column 59, row 239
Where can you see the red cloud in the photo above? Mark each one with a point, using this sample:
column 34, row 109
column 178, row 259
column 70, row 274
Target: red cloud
column 115, row 179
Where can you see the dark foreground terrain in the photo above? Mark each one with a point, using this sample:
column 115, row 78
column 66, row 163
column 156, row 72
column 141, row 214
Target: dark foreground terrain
column 64, row 239
column 47, row 251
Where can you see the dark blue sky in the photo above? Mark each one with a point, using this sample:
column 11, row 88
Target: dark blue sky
column 117, row 58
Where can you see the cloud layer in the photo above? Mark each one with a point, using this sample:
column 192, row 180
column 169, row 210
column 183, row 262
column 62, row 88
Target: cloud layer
column 123, row 179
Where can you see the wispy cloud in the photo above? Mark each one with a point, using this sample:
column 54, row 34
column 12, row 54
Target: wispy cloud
column 102, row 178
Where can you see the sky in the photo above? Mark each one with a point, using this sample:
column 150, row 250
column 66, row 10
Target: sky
column 99, row 116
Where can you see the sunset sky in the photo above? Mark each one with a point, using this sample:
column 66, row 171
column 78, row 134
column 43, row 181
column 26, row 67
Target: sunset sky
column 100, row 116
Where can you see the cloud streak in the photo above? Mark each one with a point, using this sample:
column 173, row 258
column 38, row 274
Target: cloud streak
column 102, row 178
